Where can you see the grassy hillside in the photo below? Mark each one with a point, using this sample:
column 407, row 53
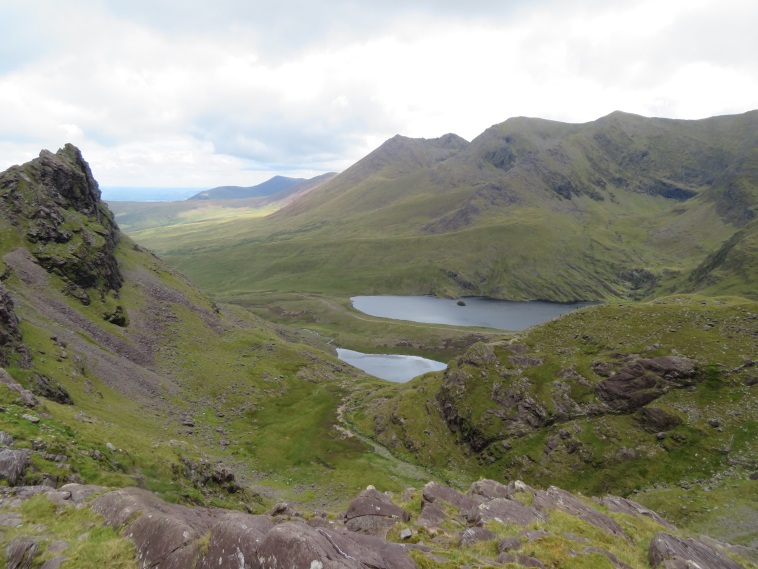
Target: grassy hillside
column 143, row 380
column 622, row 207
column 534, row 407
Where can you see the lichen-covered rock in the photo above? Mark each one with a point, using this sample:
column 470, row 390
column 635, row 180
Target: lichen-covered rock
column 670, row 552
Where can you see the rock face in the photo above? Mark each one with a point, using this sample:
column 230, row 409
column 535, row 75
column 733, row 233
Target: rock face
column 55, row 202
column 645, row 380
column 10, row 335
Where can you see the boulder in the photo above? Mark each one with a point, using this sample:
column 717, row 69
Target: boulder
column 475, row 535
column 508, row 544
column 433, row 492
column 53, row 562
column 372, row 512
column 20, row 552
column 432, row 515
column 655, row 420
column 6, row 440
column 283, row 509
column 13, row 465
column 671, row 552
column 488, row 489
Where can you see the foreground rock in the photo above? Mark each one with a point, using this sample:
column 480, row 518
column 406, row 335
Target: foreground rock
column 491, row 524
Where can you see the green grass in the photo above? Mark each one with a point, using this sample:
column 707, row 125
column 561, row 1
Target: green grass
column 90, row 544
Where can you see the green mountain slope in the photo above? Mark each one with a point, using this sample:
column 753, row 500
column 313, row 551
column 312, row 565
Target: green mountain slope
column 142, row 380
column 624, row 206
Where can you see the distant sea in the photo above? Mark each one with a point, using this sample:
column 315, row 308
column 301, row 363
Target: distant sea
column 124, row 194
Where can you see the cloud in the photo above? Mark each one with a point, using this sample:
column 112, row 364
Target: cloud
column 185, row 93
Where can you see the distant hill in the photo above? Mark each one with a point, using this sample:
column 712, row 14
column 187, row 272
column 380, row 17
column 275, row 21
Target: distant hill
column 624, row 206
column 267, row 188
column 134, row 217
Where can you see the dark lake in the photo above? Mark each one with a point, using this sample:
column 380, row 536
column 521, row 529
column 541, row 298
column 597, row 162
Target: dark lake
column 389, row 366
column 478, row 311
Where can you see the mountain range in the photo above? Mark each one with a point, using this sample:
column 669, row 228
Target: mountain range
column 621, row 207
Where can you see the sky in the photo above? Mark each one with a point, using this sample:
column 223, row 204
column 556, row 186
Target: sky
column 193, row 93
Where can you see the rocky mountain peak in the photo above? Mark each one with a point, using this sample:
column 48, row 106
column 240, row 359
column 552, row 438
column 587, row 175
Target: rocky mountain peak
column 54, row 203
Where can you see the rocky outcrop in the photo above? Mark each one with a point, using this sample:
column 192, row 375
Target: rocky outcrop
column 49, row 389
column 298, row 545
column 644, row 380
column 632, row 508
column 20, row 552
column 13, row 465
column 670, row 552
column 55, row 203
column 25, row 396
column 170, row 536
column 372, row 512
column 505, row 511
column 557, row 499
column 10, row 335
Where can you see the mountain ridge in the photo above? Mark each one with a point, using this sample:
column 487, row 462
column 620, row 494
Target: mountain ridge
column 530, row 209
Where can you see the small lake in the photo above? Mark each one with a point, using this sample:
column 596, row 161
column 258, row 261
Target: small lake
column 389, row 366
column 478, row 311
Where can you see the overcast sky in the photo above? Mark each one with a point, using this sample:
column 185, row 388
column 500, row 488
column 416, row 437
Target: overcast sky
column 193, row 93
